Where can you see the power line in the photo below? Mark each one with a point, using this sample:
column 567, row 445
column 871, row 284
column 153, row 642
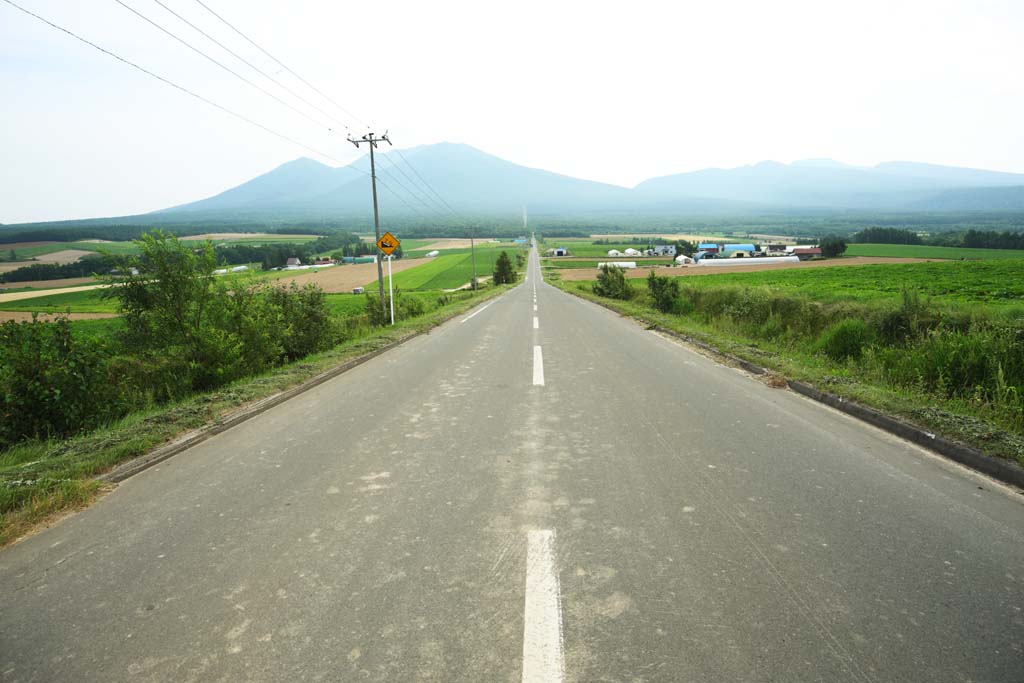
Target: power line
column 226, row 68
column 253, row 66
column 436, row 194
column 174, row 85
column 283, row 66
column 412, row 194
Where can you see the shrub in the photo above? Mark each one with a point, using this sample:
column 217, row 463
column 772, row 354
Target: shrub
column 611, row 283
column 306, row 322
column 664, row 291
column 832, row 246
column 52, row 383
column 845, row 340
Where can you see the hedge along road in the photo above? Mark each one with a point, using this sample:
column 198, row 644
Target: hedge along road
column 581, row 500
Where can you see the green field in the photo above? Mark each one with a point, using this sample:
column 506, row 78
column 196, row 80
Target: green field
column 89, row 301
column 994, row 282
column 448, row 271
column 924, row 251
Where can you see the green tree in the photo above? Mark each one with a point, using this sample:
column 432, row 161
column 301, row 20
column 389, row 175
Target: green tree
column 611, row 283
column 12, row 255
column 504, row 273
column 832, row 246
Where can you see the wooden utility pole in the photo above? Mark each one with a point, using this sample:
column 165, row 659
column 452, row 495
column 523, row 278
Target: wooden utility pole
column 372, row 141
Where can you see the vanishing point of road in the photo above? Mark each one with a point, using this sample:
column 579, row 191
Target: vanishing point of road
column 538, row 490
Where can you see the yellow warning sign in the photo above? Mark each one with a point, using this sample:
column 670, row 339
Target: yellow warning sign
column 388, row 243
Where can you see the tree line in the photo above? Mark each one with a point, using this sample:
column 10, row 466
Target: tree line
column 974, row 239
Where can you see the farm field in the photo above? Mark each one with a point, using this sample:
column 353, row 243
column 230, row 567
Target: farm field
column 446, row 271
column 925, row 251
column 81, row 300
column 46, row 284
column 998, row 282
column 339, row 279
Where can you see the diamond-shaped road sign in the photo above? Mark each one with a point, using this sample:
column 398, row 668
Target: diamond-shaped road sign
column 388, row 243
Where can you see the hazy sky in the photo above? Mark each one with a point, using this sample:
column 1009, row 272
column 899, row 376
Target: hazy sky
column 611, row 91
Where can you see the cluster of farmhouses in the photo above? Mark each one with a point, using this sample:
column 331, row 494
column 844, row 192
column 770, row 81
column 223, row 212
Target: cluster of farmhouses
column 714, row 250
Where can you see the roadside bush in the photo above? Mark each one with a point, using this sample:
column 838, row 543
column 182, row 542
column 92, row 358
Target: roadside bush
column 611, row 284
column 306, row 322
column 845, row 340
column 405, row 307
column 664, row 291
column 52, row 383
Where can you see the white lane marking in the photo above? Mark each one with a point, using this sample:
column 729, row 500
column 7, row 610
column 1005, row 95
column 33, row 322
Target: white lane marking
column 536, row 323
column 481, row 310
column 535, row 307
column 538, row 367
column 542, row 623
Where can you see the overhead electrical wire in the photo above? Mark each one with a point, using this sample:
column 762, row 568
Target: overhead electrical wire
column 327, row 97
column 175, row 85
column 283, row 65
column 392, row 165
column 226, row 68
column 254, row 67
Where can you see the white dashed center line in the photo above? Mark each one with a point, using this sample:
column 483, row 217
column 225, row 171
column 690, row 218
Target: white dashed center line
column 542, row 623
column 538, row 367
column 536, row 323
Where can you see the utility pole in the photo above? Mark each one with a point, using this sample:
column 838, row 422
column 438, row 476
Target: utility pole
column 472, row 250
column 372, row 141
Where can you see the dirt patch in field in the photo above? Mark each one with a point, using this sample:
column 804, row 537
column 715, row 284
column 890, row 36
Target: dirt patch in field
column 48, row 284
column 7, row 267
column 19, row 316
column 676, row 271
column 63, row 256
column 338, row 279
column 228, row 236
column 454, row 243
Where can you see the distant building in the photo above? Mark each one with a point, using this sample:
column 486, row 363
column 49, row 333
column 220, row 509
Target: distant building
column 805, row 253
column 734, row 250
column 708, row 247
column 293, row 261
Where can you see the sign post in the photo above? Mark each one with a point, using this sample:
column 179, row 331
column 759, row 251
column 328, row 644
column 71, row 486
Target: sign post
column 388, row 243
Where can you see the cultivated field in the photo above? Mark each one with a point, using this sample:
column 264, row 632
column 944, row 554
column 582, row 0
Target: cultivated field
column 924, row 251
column 741, row 267
column 47, row 284
column 249, row 236
column 346, row 278
column 63, row 256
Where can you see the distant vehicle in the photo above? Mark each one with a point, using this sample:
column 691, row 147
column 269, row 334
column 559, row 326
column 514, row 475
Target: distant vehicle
column 358, row 290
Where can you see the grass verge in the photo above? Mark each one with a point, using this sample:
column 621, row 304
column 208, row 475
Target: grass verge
column 40, row 480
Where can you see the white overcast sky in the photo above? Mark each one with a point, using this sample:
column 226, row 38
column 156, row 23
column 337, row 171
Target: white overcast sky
column 610, row 91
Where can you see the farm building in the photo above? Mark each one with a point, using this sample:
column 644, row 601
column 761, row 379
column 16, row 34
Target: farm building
column 432, row 254
column 683, row 259
column 292, row 262
column 662, row 250
column 805, row 253
column 618, row 264
column 614, row 252
column 708, row 247
column 631, row 252
column 557, row 251
column 739, row 250
column 766, row 261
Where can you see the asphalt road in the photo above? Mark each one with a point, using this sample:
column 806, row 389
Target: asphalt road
column 537, row 491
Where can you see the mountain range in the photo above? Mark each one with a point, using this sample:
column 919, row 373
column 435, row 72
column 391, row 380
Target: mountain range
column 433, row 182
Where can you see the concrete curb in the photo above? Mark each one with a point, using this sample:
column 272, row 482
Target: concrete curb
column 197, row 436
column 1001, row 469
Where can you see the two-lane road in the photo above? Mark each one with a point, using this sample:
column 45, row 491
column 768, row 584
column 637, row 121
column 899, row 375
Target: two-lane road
column 538, row 490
